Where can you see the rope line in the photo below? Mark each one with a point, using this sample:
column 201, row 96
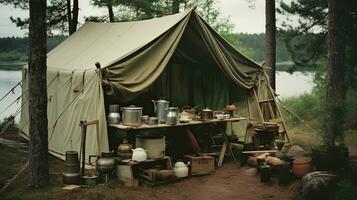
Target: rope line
column 15, row 101
column 23, row 93
column 19, row 110
column 11, row 90
column 297, row 117
column 53, row 126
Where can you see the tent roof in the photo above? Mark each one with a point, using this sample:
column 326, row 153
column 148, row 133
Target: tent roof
column 107, row 42
column 134, row 54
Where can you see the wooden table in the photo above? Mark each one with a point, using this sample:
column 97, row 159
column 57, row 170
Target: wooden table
column 190, row 123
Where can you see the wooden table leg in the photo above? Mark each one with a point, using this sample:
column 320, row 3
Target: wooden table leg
column 221, row 154
column 230, row 149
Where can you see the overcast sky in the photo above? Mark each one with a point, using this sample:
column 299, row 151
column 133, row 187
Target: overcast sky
column 244, row 18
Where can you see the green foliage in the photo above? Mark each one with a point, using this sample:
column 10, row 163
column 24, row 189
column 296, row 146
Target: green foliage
column 13, row 56
column 212, row 15
column 5, row 121
column 56, row 14
column 344, row 191
column 252, row 45
column 15, row 49
column 309, row 107
column 351, row 109
column 130, row 10
column 304, row 43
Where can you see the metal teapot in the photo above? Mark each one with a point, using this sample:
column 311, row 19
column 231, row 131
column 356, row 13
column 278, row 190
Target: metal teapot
column 139, row 154
column 181, row 169
column 105, row 163
column 161, row 107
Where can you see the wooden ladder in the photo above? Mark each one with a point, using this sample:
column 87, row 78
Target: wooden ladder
column 273, row 113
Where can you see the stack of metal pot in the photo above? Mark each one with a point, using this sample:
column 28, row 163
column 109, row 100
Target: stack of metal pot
column 132, row 115
column 71, row 174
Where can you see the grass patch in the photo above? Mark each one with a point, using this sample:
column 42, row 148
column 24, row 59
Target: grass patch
column 42, row 193
column 351, row 137
column 11, row 163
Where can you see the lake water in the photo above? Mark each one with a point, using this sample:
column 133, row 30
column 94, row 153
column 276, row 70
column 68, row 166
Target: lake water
column 288, row 85
column 8, row 79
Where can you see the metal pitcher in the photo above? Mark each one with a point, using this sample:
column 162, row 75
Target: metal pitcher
column 161, row 108
column 171, row 118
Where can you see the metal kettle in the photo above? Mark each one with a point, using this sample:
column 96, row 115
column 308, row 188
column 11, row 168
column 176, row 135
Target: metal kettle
column 161, row 108
column 105, row 163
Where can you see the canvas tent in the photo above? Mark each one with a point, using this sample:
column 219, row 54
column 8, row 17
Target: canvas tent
column 134, row 57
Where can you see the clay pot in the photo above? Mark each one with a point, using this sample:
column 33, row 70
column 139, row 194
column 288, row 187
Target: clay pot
column 125, row 147
column 302, row 166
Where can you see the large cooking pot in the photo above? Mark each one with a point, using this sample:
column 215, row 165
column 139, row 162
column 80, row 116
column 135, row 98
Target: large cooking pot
column 206, row 114
column 132, row 115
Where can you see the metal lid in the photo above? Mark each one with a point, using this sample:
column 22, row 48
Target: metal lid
column 162, row 101
column 132, row 107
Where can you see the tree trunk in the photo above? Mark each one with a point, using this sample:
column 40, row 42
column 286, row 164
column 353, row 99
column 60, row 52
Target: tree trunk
column 37, row 85
column 270, row 40
column 69, row 16
column 335, row 77
column 74, row 23
column 175, row 6
column 110, row 11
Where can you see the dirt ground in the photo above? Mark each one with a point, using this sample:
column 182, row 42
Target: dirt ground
column 228, row 182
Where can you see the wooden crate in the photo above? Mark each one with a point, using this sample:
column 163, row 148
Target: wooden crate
column 143, row 172
column 200, row 165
